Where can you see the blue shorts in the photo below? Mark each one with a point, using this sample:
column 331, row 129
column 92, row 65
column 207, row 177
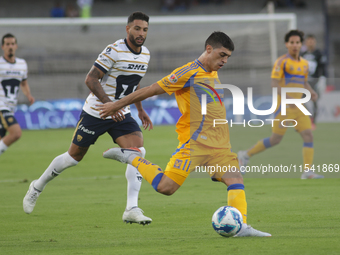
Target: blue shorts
column 89, row 128
column 7, row 119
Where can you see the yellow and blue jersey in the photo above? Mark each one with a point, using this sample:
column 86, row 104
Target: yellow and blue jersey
column 294, row 74
column 290, row 73
column 188, row 83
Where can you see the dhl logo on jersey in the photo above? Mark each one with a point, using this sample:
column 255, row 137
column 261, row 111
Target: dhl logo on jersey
column 136, row 67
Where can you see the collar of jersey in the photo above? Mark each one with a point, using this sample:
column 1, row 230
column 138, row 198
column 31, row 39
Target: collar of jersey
column 293, row 58
column 200, row 64
column 8, row 61
column 136, row 53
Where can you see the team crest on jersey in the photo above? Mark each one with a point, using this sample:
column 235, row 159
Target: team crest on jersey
column 10, row 120
column 79, row 138
column 178, row 163
column 172, row 78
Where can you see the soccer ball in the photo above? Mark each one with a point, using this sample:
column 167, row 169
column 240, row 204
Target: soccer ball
column 227, row 221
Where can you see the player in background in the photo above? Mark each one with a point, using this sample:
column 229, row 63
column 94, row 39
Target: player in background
column 13, row 74
column 317, row 70
column 115, row 74
column 290, row 70
column 200, row 144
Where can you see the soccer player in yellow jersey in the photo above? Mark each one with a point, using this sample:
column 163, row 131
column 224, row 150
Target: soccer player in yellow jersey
column 200, row 144
column 290, row 70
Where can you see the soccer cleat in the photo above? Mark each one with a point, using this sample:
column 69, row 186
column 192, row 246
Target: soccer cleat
column 122, row 155
column 310, row 175
column 243, row 160
column 31, row 198
column 247, row 230
column 135, row 215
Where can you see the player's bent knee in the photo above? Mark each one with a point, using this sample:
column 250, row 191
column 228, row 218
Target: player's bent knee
column 307, row 135
column 17, row 136
column 167, row 190
column 275, row 140
column 167, row 185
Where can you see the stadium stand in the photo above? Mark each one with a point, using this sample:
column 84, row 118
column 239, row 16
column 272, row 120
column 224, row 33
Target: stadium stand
column 73, row 64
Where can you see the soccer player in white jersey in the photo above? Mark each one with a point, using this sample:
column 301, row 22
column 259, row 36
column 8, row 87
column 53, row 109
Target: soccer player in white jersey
column 13, row 74
column 115, row 74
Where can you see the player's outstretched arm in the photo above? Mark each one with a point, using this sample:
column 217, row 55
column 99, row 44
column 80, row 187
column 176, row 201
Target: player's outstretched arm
column 111, row 108
column 26, row 90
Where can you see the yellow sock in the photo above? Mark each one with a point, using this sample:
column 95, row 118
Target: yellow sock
column 151, row 172
column 237, row 199
column 308, row 155
column 259, row 146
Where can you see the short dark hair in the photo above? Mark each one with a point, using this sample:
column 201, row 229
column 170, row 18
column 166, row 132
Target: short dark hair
column 138, row 15
column 292, row 33
column 8, row 36
column 219, row 39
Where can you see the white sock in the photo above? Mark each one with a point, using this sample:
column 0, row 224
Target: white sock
column 134, row 182
column 59, row 164
column 3, row 147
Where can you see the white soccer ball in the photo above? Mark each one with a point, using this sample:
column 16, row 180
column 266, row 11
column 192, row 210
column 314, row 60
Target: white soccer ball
column 227, row 221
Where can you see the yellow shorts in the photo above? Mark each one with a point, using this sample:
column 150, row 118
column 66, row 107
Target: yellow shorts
column 302, row 121
column 193, row 156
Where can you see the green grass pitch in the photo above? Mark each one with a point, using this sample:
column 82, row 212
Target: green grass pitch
column 80, row 211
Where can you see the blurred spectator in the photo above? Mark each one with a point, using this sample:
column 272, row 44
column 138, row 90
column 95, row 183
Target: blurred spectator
column 85, row 8
column 317, row 70
column 85, row 11
column 175, row 5
column 168, row 5
column 57, row 11
column 71, row 11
